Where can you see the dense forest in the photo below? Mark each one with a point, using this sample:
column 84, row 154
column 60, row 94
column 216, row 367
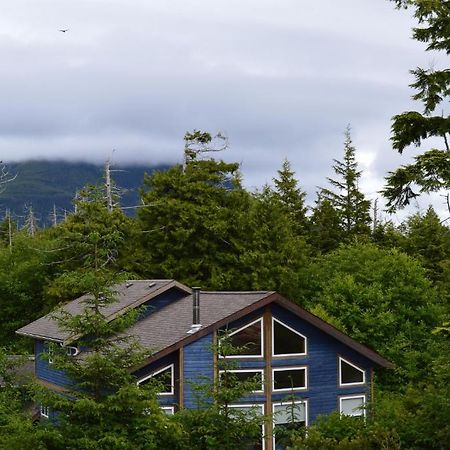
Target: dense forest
column 386, row 285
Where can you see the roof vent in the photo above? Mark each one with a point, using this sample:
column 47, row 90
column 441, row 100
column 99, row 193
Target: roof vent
column 195, row 310
column 129, row 284
column 150, row 285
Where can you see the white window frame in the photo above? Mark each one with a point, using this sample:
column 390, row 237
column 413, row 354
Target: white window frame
column 45, row 411
column 261, row 355
column 358, row 383
column 281, row 369
column 362, row 411
column 254, row 405
column 295, row 402
column 172, row 379
column 294, row 331
column 261, row 371
column 169, row 410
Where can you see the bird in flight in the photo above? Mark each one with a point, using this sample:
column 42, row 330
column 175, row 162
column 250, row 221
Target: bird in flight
column 64, row 30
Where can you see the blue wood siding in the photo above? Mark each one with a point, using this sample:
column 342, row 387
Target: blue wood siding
column 198, row 368
column 45, row 371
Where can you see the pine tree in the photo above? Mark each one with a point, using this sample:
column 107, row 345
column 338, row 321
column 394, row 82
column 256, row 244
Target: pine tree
column 348, row 200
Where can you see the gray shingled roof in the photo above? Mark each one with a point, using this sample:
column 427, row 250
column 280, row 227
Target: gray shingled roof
column 171, row 324
column 129, row 295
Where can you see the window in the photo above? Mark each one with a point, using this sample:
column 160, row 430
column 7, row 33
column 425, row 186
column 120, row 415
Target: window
column 50, row 352
column 254, row 410
column 233, row 376
column 248, row 339
column 163, row 377
column 352, row 405
column 169, row 410
column 288, row 416
column 350, row 374
column 286, row 341
column 289, row 378
column 45, row 411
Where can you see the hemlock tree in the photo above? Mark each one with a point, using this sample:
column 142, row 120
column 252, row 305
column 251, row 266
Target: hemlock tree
column 430, row 170
column 191, row 221
column 348, row 200
column 291, row 197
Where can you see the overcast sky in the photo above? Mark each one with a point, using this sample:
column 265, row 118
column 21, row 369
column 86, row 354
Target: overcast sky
column 282, row 78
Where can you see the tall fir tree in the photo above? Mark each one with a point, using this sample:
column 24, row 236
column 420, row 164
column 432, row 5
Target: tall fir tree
column 347, row 199
column 291, row 197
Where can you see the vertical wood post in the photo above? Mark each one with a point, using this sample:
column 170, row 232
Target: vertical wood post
column 181, row 378
column 267, row 326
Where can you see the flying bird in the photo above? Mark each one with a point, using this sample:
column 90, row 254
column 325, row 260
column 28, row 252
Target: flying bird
column 64, row 30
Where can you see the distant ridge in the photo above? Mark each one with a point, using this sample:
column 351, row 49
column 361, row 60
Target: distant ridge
column 43, row 183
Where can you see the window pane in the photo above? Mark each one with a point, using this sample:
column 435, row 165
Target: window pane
column 254, row 410
column 285, row 341
column 233, row 378
column 248, row 340
column 287, row 418
column 289, row 379
column 162, row 379
column 352, row 406
column 350, row 374
column 289, row 412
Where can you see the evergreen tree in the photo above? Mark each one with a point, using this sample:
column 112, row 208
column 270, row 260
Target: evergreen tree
column 191, row 220
column 348, row 200
column 291, row 197
column 430, row 171
column 326, row 231
column 428, row 240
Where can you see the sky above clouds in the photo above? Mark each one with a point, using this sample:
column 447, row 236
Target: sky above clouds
column 281, row 78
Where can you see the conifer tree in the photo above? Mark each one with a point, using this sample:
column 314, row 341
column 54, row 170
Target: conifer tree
column 291, row 197
column 347, row 199
column 430, row 170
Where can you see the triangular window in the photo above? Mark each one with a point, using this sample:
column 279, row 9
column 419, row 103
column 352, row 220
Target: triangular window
column 163, row 378
column 286, row 341
column 350, row 374
column 246, row 341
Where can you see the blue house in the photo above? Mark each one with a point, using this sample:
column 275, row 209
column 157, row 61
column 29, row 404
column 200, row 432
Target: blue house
column 289, row 350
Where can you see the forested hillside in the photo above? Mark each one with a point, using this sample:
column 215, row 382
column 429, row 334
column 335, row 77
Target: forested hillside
column 45, row 185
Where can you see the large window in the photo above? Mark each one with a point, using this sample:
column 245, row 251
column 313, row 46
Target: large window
column 232, row 377
column 163, row 378
column 352, row 405
column 286, row 341
column 289, row 379
column 350, row 374
column 288, row 416
column 248, row 340
column 254, row 410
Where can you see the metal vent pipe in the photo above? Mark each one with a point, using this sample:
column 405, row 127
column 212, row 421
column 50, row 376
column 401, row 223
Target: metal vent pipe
column 195, row 306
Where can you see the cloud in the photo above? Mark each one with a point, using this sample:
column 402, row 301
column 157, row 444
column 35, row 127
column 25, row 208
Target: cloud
column 282, row 78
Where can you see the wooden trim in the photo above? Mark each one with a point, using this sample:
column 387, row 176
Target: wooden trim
column 267, row 325
column 181, row 378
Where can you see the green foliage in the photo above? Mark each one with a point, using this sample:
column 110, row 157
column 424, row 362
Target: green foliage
column 349, row 201
column 430, row 171
column 376, row 293
column 335, row 432
column 291, row 197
